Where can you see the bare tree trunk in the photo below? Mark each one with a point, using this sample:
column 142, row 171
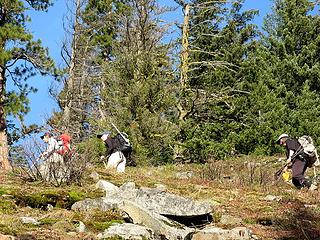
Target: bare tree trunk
column 4, row 152
column 184, row 61
column 185, row 48
column 70, row 82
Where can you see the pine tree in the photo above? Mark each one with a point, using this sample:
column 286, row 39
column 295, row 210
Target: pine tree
column 20, row 58
column 136, row 92
column 221, row 38
column 282, row 78
column 91, row 31
column 293, row 40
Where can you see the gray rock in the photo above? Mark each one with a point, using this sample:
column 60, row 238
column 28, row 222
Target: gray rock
column 81, row 228
column 230, row 220
column 102, row 204
column 127, row 231
column 310, row 206
column 161, row 226
column 49, row 207
column 156, row 199
column 73, row 234
column 214, row 233
column 272, row 198
column 148, row 209
column 254, row 237
column 128, row 186
column 29, row 220
column 184, row 175
column 95, row 176
column 108, row 187
column 165, row 203
column 161, row 187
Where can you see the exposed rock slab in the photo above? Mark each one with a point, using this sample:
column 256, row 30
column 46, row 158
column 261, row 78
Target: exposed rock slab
column 127, row 231
column 161, row 202
column 214, row 233
column 157, row 214
column 102, row 204
column 161, row 226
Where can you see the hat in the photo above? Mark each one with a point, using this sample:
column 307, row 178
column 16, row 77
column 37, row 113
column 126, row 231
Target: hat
column 283, row 135
column 106, row 133
column 46, row 134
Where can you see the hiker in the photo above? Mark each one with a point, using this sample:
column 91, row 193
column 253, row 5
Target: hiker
column 52, row 146
column 297, row 160
column 64, row 145
column 116, row 158
column 52, row 160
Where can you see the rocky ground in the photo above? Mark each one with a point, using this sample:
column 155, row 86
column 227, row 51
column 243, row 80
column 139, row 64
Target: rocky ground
column 242, row 194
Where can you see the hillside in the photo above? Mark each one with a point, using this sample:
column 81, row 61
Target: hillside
column 241, row 191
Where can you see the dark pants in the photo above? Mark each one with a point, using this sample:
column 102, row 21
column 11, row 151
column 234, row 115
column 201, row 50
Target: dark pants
column 298, row 169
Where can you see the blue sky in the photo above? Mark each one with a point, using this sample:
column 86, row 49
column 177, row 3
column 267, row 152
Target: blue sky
column 48, row 26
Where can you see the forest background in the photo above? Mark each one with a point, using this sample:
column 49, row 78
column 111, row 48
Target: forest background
column 222, row 87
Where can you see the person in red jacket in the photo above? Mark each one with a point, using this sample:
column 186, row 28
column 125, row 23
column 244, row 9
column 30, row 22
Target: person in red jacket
column 64, row 142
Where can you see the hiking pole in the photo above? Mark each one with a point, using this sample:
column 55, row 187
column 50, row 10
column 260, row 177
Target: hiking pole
column 278, row 173
column 119, row 132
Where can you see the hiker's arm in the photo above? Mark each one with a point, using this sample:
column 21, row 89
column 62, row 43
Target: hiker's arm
column 289, row 160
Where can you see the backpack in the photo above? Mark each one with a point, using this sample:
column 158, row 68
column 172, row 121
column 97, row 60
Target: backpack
column 123, row 144
column 64, row 141
column 309, row 150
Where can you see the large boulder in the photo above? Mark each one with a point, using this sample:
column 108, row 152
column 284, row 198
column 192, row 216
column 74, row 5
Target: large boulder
column 163, row 215
column 155, row 199
column 127, row 231
column 161, row 202
column 162, row 226
column 214, row 233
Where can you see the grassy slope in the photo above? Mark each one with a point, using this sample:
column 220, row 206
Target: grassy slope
column 235, row 187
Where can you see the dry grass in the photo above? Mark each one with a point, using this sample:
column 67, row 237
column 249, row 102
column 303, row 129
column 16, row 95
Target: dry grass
column 236, row 187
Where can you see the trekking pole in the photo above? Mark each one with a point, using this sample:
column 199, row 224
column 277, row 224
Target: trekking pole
column 315, row 164
column 119, row 132
column 278, row 173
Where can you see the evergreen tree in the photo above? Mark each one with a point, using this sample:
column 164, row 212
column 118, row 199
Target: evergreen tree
column 136, row 87
column 91, row 32
column 221, row 38
column 20, row 58
column 283, row 79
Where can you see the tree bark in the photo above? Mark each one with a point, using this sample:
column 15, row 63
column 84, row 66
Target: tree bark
column 184, row 57
column 185, row 48
column 70, row 81
column 4, row 152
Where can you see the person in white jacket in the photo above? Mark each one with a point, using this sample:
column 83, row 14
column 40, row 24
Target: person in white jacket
column 50, row 154
column 52, row 164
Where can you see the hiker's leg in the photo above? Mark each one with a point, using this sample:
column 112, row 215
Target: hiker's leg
column 113, row 160
column 122, row 164
column 298, row 169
